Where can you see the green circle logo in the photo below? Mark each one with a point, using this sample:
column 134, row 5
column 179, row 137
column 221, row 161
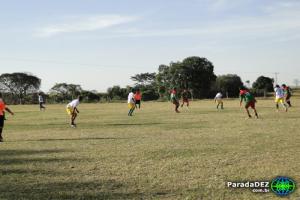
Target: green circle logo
column 283, row 186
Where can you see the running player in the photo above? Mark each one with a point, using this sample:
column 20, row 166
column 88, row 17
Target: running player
column 131, row 102
column 249, row 100
column 3, row 108
column 138, row 98
column 174, row 99
column 185, row 98
column 73, row 111
column 218, row 100
column 279, row 98
column 287, row 94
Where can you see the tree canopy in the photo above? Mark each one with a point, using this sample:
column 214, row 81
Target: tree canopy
column 19, row 84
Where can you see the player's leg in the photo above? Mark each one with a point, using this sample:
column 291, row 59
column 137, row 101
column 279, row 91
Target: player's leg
column 254, row 109
column 1, row 138
column 284, row 105
column 132, row 107
column 288, row 101
column 1, row 127
column 177, row 106
column 277, row 104
column 247, row 109
column 222, row 106
column 73, row 118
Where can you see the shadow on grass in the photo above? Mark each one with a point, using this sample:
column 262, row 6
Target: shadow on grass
column 23, row 152
column 108, row 189
column 71, row 139
column 10, row 159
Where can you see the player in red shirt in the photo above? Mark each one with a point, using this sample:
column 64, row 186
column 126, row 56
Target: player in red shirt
column 138, row 98
column 3, row 108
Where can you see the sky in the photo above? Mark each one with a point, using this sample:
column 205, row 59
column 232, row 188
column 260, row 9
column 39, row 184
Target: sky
column 101, row 43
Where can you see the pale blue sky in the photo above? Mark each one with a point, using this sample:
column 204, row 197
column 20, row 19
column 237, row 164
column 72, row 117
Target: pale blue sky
column 99, row 43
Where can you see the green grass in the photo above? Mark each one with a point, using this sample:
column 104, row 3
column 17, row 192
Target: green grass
column 157, row 154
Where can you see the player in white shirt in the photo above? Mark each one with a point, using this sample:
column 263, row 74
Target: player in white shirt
column 131, row 102
column 73, row 111
column 279, row 98
column 41, row 102
column 218, row 100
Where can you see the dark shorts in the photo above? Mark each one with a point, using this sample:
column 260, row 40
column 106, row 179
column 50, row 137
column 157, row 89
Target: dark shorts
column 250, row 104
column 137, row 102
column 175, row 102
column 1, row 121
column 185, row 100
column 288, row 97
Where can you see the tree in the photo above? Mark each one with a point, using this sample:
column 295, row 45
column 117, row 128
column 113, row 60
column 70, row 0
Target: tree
column 144, row 78
column 193, row 73
column 263, row 83
column 19, row 84
column 229, row 84
column 64, row 91
column 118, row 93
column 146, row 83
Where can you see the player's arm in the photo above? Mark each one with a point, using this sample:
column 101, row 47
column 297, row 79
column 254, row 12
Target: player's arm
column 8, row 110
column 133, row 99
column 76, row 110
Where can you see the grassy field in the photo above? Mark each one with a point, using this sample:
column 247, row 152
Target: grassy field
column 156, row 154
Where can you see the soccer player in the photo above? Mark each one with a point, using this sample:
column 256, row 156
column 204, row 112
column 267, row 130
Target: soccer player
column 218, row 100
column 279, row 98
column 131, row 102
column 138, row 98
column 185, row 98
column 3, row 108
column 174, row 99
column 41, row 102
column 73, row 111
column 249, row 100
column 287, row 94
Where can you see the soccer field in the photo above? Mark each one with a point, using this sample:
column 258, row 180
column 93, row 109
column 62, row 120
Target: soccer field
column 156, row 154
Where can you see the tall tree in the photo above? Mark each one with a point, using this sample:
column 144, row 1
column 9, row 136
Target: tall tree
column 144, row 78
column 264, row 83
column 20, row 84
column 193, row 73
column 64, row 91
column 229, row 84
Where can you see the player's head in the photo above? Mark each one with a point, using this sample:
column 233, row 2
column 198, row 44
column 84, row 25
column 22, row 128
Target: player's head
column 79, row 98
column 283, row 85
column 132, row 90
column 277, row 86
column 137, row 90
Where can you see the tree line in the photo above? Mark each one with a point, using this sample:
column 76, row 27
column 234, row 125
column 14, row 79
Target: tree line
column 196, row 74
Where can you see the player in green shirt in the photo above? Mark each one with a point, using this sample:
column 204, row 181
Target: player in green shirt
column 250, row 101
